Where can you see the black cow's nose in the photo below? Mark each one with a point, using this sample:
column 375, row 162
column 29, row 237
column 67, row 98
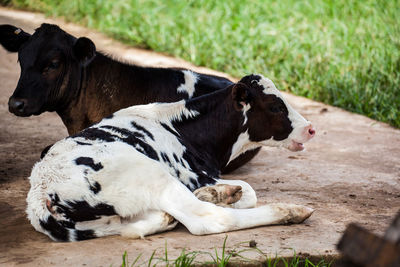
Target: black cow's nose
column 16, row 105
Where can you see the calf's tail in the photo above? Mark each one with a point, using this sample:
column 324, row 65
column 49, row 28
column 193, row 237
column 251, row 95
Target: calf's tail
column 55, row 225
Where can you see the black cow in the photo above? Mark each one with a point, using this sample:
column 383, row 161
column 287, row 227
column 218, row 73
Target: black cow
column 67, row 75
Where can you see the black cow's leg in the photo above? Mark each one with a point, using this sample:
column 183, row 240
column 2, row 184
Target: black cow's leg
column 240, row 161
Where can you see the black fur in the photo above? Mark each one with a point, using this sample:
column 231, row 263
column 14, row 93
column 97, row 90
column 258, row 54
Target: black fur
column 57, row 231
column 94, row 187
column 65, row 231
column 80, row 211
column 44, row 151
column 123, row 132
column 132, row 138
column 89, row 162
column 95, row 134
column 83, row 144
column 169, row 129
column 140, row 128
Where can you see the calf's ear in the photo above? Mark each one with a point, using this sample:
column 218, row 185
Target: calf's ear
column 84, row 50
column 240, row 95
column 11, row 37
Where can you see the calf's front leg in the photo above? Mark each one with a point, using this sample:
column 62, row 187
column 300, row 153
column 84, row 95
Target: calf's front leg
column 206, row 218
column 220, row 194
column 228, row 193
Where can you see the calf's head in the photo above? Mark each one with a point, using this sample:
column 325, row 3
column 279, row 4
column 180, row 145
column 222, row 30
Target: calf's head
column 269, row 118
column 51, row 62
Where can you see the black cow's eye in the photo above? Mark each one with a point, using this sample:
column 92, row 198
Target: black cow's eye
column 54, row 64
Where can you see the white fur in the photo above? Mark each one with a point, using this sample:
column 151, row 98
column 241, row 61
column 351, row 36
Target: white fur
column 246, row 108
column 298, row 121
column 190, row 81
column 248, row 199
column 242, row 145
column 163, row 140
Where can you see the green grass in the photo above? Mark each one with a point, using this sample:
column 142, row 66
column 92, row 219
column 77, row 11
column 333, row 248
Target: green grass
column 344, row 52
column 226, row 258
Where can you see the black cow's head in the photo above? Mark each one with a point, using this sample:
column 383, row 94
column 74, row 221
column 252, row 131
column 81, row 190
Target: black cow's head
column 269, row 119
column 51, row 62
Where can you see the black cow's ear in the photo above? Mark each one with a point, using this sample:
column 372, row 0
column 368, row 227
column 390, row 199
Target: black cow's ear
column 240, row 95
column 11, row 37
column 84, row 50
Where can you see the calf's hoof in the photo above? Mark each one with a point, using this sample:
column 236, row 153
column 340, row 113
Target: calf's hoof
column 292, row 213
column 221, row 194
column 300, row 213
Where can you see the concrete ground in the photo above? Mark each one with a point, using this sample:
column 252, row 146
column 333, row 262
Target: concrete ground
column 349, row 173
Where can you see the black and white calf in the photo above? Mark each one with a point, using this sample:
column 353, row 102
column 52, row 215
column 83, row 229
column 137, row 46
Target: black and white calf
column 128, row 173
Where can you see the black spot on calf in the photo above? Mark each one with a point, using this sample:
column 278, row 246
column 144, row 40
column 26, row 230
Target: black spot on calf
column 122, row 132
column 146, row 149
column 141, row 128
column 65, row 230
column 166, row 159
column 56, row 230
column 83, row 144
column 44, row 151
column 94, row 187
column 84, row 234
column 169, row 129
column 95, row 134
column 134, row 139
column 89, row 162
column 79, row 211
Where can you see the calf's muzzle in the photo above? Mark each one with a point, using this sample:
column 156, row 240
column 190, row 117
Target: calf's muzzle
column 306, row 134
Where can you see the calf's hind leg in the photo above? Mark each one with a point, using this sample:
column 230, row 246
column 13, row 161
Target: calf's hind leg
column 150, row 223
column 139, row 226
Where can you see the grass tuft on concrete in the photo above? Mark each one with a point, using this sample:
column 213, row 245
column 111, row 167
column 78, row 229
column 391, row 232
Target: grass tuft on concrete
column 226, row 258
column 344, row 53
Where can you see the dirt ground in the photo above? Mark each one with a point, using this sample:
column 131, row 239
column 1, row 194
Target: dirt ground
column 350, row 172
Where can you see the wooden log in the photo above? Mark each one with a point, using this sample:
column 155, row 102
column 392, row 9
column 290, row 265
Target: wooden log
column 363, row 248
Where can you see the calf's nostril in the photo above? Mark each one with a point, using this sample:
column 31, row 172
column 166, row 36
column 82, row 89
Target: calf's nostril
column 311, row 131
column 16, row 105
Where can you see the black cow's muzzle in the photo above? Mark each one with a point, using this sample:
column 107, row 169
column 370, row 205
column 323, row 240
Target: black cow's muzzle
column 17, row 106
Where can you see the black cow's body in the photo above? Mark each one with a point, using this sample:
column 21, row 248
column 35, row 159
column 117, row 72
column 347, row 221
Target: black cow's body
column 67, row 75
